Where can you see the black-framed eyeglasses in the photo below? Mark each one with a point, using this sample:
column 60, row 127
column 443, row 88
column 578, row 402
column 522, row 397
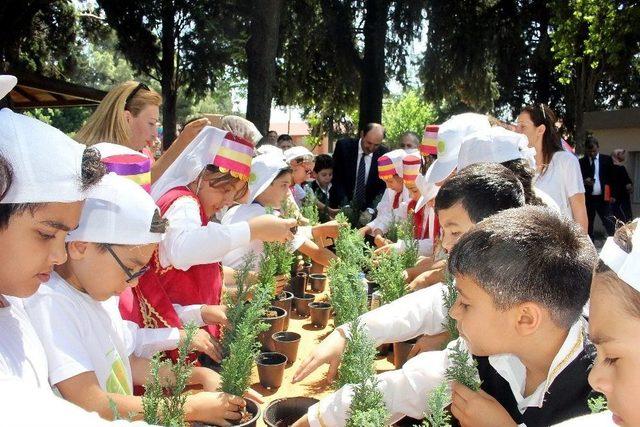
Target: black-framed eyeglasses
column 131, row 276
column 133, row 93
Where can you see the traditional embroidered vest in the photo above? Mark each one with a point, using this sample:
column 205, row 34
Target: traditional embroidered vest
column 150, row 303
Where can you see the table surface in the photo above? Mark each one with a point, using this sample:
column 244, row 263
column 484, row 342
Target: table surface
column 314, row 385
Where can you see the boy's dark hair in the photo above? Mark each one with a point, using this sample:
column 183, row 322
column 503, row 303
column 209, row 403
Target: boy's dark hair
column 529, row 254
column 323, row 161
column 284, row 137
column 92, row 171
column 483, row 189
column 6, row 176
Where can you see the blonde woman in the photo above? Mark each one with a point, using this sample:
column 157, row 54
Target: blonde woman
column 128, row 116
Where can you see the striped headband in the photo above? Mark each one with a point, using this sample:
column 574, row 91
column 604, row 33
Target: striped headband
column 410, row 168
column 234, row 156
column 386, row 169
column 429, row 143
column 135, row 167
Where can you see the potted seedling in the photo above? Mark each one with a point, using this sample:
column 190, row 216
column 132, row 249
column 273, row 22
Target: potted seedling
column 163, row 403
column 437, row 414
column 309, row 208
column 318, row 282
column 367, row 405
column 287, row 343
column 351, row 247
column 284, row 412
column 284, row 300
column 240, row 345
column 274, row 319
column 267, row 277
column 271, row 366
column 348, row 295
column 449, row 295
column 409, row 256
column 299, row 284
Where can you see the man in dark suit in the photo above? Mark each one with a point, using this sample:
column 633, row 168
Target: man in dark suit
column 355, row 168
column 596, row 171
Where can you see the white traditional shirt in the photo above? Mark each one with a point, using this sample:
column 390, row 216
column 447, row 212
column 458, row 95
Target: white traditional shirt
column 386, row 212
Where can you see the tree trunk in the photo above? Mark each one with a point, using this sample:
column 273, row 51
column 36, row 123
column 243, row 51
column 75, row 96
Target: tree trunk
column 261, row 50
column 168, row 73
column 373, row 76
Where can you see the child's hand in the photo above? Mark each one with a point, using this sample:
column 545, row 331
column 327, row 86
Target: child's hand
column 204, row 343
column 302, row 422
column 254, row 395
column 207, row 378
column 477, row 408
column 428, row 343
column 380, row 241
column 214, row 314
column 328, row 351
column 383, row 249
column 213, row 408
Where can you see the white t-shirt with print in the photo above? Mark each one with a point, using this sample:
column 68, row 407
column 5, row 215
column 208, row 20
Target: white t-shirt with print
column 561, row 180
column 81, row 335
column 21, row 352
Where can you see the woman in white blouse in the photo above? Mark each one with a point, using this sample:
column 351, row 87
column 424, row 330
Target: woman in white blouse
column 558, row 171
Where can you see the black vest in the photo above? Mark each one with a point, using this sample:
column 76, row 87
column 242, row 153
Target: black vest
column 566, row 397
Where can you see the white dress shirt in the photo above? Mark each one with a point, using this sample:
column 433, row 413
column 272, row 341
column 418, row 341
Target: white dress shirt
column 405, row 391
column 597, row 187
column 367, row 163
column 386, row 213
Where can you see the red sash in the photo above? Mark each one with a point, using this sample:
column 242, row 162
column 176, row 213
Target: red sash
column 150, row 303
column 419, row 231
column 396, row 200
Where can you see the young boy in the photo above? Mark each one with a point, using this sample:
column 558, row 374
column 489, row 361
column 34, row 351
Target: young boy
column 88, row 347
column 523, row 276
column 321, row 186
column 465, row 199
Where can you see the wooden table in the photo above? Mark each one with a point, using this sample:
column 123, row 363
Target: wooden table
column 315, row 384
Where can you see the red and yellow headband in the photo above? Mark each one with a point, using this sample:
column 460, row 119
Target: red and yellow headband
column 136, row 167
column 234, row 156
column 386, row 168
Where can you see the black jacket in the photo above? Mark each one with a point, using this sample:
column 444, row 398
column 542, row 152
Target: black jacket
column 345, row 159
column 606, row 169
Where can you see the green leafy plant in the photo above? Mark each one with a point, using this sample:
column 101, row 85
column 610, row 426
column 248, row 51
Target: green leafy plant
column 167, row 408
column 309, row 208
column 597, row 404
column 392, row 231
column 437, row 414
column 409, row 257
column 359, row 356
column 463, row 368
column 449, row 295
column 240, row 339
column 348, row 294
column 388, row 273
column 357, row 367
column 350, row 245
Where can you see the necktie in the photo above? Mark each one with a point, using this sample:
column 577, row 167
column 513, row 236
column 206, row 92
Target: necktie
column 359, row 193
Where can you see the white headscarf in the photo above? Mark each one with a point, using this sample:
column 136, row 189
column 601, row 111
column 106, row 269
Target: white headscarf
column 495, row 145
column 192, row 161
column 7, row 83
column 264, row 170
column 47, row 164
column 625, row 265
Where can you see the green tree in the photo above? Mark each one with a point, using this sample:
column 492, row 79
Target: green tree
column 404, row 113
column 593, row 41
column 178, row 43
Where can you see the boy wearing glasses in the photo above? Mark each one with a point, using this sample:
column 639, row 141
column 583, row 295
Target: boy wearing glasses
column 89, row 349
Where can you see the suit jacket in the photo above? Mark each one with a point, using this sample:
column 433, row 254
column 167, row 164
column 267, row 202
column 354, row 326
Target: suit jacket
column 605, row 171
column 345, row 159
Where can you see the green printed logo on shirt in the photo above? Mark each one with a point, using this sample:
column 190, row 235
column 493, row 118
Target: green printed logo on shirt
column 117, row 380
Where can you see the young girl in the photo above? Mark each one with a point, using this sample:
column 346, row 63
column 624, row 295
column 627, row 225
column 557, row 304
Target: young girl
column 389, row 171
column 614, row 328
column 267, row 191
column 75, row 314
column 301, row 161
column 184, row 279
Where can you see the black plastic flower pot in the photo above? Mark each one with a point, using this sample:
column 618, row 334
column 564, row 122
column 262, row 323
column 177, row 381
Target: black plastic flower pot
column 318, row 282
column 401, row 351
column 285, row 302
column 287, row 343
column 301, row 305
column 299, row 284
column 371, row 286
column 286, row 411
column 320, row 313
column 275, row 319
column 306, row 267
column 271, row 369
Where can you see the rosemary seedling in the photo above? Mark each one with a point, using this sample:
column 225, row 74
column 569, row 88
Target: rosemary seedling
column 359, row 356
column 388, row 273
column 597, row 404
column 309, row 208
column 367, row 406
column 409, row 257
column 463, row 368
column 437, row 414
column 449, row 295
column 348, row 295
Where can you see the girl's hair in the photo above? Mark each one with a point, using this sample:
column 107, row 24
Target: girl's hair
column 525, row 174
column 92, row 171
column 216, row 178
column 108, row 123
column 628, row 295
column 540, row 114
